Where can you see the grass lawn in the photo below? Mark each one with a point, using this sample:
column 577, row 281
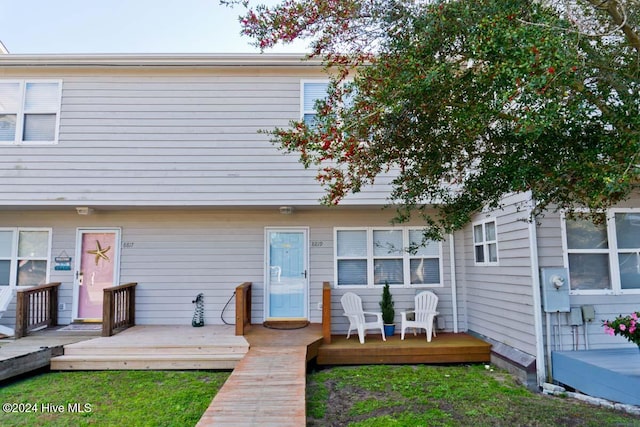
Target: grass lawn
column 421, row 395
column 110, row 398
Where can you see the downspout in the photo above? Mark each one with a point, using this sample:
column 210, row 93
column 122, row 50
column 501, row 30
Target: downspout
column 537, row 299
column 454, row 287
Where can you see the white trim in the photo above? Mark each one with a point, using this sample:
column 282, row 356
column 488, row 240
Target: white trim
column 485, row 243
column 78, row 257
column 370, row 258
column 306, row 232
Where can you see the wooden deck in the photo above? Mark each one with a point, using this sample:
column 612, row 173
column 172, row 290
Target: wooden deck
column 20, row 356
column 612, row 374
column 157, row 347
column 445, row 348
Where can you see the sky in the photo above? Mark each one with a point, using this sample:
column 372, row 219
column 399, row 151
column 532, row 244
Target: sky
column 124, row 26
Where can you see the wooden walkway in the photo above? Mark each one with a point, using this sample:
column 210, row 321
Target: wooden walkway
column 267, row 388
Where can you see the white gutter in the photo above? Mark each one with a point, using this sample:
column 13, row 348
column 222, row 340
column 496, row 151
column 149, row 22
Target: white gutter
column 537, row 299
column 454, row 287
column 159, row 60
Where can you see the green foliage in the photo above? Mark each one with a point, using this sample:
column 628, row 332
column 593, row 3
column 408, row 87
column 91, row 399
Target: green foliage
column 461, row 103
column 387, row 306
column 114, row 398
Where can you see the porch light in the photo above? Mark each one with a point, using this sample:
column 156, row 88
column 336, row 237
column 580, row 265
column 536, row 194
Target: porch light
column 83, row 210
column 286, row 210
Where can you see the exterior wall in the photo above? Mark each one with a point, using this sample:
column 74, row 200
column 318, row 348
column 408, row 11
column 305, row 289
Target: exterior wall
column 499, row 299
column 550, row 250
column 176, row 254
column 166, row 136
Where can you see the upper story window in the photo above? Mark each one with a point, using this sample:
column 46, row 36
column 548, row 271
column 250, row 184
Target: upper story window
column 485, row 242
column 372, row 256
column 312, row 91
column 29, row 111
column 24, row 256
column 604, row 257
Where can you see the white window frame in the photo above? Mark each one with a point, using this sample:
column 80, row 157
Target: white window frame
column 14, row 258
column 304, row 82
column 485, row 243
column 406, row 257
column 612, row 251
column 20, row 113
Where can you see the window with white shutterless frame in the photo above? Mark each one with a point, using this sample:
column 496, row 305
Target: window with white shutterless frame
column 603, row 257
column 24, row 256
column 30, row 111
column 372, row 256
column 485, row 242
column 311, row 91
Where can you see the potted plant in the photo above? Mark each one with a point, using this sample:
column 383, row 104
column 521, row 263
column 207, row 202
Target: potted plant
column 388, row 312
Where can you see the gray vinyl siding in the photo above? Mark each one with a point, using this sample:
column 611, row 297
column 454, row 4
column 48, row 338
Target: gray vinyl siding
column 499, row 298
column 175, row 254
column 159, row 138
column 550, row 249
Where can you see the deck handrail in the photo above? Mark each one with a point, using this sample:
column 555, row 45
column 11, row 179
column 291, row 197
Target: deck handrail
column 243, row 308
column 36, row 306
column 118, row 308
column 326, row 312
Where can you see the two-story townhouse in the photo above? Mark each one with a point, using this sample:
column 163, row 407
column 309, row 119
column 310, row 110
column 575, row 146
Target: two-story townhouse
column 151, row 168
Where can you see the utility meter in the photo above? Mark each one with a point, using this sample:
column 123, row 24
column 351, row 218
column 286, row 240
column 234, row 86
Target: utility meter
column 555, row 290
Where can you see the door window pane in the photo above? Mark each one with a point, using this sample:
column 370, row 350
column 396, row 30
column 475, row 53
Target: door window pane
column 33, row 244
column 589, row 271
column 352, row 272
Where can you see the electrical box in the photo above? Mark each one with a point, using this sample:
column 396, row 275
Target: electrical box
column 575, row 316
column 588, row 313
column 555, row 290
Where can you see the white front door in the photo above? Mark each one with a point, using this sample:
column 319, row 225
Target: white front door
column 97, row 267
column 286, row 282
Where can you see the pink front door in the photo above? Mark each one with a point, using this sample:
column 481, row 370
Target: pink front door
column 98, row 266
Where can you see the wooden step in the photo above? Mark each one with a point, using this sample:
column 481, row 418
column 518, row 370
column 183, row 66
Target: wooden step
column 143, row 362
column 129, row 349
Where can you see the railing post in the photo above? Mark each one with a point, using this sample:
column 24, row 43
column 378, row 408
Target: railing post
column 22, row 314
column 243, row 308
column 107, row 314
column 326, row 313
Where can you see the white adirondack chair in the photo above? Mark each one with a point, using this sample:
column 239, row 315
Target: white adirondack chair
column 425, row 312
column 6, row 295
column 352, row 305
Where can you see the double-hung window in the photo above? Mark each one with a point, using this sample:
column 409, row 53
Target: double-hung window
column 29, row 111
column 374, row 256
column 485, row 242
column 312, row 91
column 604, row 257
column 24, row 256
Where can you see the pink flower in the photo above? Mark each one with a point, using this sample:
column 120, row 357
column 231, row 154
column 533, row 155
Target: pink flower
column 609, row 330
column 623, row 327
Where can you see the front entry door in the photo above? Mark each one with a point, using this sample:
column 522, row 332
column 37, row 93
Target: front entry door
column 97, row 267
column 287, row 274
